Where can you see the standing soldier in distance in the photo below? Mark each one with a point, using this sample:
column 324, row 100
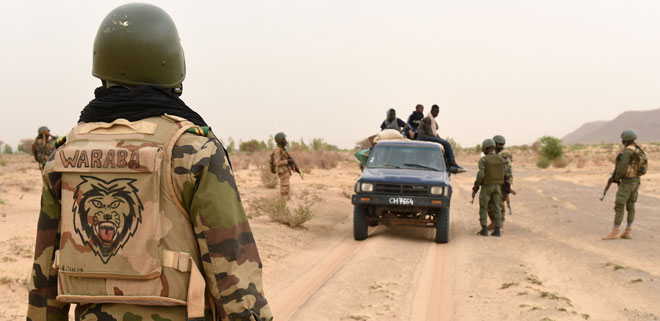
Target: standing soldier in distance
column 43, row 146
column 500, row 141
column 490, row 179
column 283, row 163
column 181, row 247
column 630, row 165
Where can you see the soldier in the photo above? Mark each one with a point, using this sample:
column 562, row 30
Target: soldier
column 631, row 163
column 283, row 164
column 490, row 179
column 140, row 215
column 500, row 141
column 43, row 146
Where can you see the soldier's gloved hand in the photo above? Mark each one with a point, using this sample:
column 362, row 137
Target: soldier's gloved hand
column 475, row 189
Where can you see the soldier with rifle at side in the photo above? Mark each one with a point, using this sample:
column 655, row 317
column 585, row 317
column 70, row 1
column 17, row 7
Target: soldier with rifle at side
column 631, row 163
column 489, row 179
column 283, row 164
column 500, row 141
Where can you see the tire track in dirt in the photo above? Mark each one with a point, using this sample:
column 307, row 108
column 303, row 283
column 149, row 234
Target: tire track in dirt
column 432, row 291
column 285, row 304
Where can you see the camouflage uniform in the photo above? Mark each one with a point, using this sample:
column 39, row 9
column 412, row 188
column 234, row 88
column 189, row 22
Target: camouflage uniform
column 282, row 168
column 506, row 187
column 626, row 194
column 203, row 182
column 42, row 148
column 490, row 177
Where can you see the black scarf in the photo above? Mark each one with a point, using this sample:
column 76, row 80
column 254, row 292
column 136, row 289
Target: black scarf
column 133, row 105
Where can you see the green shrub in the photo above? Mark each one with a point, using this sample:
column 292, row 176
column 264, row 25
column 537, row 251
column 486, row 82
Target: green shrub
column 551, row 148
column 543, row 163
column 250, row 146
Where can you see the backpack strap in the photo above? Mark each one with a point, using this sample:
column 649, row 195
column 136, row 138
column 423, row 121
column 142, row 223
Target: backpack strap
column 170, row 181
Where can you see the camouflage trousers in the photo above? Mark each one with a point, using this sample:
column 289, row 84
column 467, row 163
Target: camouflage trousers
column 490, row 192
column 626, row 196
column 284, row 183
column 491, row 209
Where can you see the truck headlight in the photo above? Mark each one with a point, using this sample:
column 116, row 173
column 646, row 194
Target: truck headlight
column 436, row 190
column 446, row 190
column 367, row 187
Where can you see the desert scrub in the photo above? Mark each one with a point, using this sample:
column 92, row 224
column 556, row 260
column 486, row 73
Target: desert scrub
column 268, row 178
column 543, row 162
column 278, row 210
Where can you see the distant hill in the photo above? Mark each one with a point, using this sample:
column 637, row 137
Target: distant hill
column 645, row 123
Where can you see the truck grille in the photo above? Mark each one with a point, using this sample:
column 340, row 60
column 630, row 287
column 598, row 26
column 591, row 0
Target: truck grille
column 401, row 189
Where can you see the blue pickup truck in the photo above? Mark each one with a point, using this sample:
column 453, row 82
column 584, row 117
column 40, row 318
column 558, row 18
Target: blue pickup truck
column 404, row 183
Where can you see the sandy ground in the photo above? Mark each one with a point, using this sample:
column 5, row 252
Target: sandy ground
column 550, row 263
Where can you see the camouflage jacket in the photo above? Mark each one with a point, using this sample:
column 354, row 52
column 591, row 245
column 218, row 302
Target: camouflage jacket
column 624, row 160
column 232, row 269
column 41, row 150
column 281, row 161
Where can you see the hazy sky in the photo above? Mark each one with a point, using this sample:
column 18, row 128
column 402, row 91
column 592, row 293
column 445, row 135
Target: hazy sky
column 332, row 68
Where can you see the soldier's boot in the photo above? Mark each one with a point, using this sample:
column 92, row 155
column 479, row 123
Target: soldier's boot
column 484, row 231
column 626, row 234
column 491, row 226
column 613, row 235
column 496, row 232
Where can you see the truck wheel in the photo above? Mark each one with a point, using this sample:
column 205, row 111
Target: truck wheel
column 359, row 223
column 442, row 226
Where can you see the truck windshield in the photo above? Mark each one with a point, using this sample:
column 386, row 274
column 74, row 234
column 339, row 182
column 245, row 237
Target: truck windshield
column 409, row 157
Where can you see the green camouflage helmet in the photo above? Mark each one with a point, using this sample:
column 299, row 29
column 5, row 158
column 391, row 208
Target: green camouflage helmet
column 499, row 139
column 42, row 129
column 488, row 143
column 138, row 44
column 279, row 137
column 628, row 135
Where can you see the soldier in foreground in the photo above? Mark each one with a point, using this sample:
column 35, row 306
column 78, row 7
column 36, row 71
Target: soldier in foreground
column 140, row 215
column 489, row 179
column 43, row 146
column 630, row 165
column 500, row 141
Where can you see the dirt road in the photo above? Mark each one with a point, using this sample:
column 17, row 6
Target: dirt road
column 550, row 263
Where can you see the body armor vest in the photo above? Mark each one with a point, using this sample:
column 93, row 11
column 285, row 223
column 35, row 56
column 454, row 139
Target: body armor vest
column 125, row 237
column 494, row 169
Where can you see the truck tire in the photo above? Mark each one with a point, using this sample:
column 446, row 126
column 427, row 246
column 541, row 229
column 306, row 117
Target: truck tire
column 442, row 226
column 359, row 222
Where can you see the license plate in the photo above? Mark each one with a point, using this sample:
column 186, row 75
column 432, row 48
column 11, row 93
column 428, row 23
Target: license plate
column 401, row 201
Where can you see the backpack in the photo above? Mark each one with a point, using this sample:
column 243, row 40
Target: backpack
column 272, row 162
column 640, row 162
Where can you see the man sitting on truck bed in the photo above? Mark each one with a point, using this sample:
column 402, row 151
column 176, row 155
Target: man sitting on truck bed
column 428, row 131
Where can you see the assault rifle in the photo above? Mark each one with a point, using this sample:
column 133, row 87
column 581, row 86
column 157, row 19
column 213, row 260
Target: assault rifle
column 474, row 193
column 294, row 166
column 609, row 183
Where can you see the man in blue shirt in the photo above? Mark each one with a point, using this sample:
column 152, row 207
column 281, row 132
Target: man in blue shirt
column 415, row 118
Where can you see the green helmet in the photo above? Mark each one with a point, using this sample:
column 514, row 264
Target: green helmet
column 279, row 137
column 138, row 44
column 488, row 143
column 628, row 135
column 42, row 129
column 499, row 139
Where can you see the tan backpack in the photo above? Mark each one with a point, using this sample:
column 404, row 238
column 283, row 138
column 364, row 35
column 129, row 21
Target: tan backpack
column 125, row 237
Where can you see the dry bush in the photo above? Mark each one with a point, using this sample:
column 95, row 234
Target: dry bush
column 268, row 178
column 278, row 210
column 536, row 147
column 320, row 159
column 560, row 162
column 580, row 162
